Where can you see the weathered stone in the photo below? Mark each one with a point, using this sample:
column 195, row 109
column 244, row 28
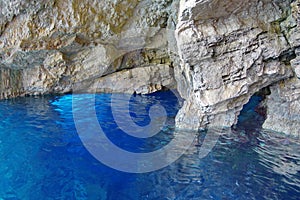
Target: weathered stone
column 229, row 51
column 142, row 80
column 53, row 46
column 295, row 63
column 283, row 107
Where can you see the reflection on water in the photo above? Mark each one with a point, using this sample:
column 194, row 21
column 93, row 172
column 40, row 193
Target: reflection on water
column 43, row 158
column 280, row 154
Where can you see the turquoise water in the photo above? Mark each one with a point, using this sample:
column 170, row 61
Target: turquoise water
column 42, row 156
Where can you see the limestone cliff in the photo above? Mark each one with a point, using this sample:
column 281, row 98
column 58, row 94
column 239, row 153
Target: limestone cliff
column 59, row 46
column 229, row 51
column 223, row 53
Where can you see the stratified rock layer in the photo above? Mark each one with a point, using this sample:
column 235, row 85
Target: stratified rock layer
column 58, row 46
column 231, row 49
column 283, row 107
column 228, row 50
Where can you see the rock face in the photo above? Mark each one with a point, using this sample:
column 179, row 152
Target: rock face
column 58, row 46
column 283, row 107
column 142, row 80
column 224, row 52
column 230, row 50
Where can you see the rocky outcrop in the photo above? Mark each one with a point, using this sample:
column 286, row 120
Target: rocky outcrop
column 58, row 46
column 230, row 50
column 90, row 70
column 283, row 107
column 142, row 80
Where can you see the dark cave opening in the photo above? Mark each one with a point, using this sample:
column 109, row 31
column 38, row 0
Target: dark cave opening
column 254, row 113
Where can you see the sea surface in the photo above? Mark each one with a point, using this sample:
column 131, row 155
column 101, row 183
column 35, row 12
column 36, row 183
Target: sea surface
column 43, row 157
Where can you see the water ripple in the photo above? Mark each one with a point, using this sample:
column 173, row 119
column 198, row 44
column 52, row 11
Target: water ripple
column 42, row 157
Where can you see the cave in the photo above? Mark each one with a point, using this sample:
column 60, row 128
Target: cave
column 254, row 113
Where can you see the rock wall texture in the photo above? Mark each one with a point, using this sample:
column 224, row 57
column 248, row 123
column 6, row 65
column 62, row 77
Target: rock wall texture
column 284, row 107
column 229, row 50
column 222, row 53
column 61, row 46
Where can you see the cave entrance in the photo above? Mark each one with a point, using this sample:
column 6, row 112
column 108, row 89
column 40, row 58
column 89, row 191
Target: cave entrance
column 253, row 114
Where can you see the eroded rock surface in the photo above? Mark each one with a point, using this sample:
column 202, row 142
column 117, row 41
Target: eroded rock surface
column 224, row 52
column 283, row 107
column 230, row 50
column 53, row 46
column 143, row 80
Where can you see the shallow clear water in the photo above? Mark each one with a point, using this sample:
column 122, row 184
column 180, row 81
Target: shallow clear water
column 42, row 156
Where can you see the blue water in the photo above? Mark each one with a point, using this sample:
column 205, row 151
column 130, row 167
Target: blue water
column 42, row 156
